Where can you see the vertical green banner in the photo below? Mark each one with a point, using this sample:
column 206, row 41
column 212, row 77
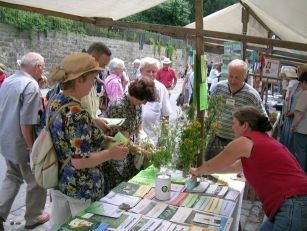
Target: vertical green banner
column 203, row 96
column 203, row 91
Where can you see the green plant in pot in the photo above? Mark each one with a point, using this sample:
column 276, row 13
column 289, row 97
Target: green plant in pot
column 166, row 146
column 191, row 143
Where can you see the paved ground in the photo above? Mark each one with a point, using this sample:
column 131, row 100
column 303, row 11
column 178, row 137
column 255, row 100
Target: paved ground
column 251, row 215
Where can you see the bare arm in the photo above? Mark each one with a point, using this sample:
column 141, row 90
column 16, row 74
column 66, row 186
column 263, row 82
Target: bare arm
column 117, row 152
column 227, row 159
column 236, row 167
column 28, row 134
column 102, row 124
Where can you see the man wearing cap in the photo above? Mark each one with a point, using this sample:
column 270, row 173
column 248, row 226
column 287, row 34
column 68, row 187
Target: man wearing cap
column 3, row 73
column 167, row 75
column 136, row 69
column 153, row 112
column 20, row 102
column 235, row 93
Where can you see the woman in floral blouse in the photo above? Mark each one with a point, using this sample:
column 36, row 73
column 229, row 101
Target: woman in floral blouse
column 140, row 91
column 77, row 139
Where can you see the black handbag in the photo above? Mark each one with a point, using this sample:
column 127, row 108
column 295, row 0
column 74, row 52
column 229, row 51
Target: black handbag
column 180, row 100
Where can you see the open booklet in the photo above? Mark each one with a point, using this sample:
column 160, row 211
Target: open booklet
column 113, row 122
column 119, row 139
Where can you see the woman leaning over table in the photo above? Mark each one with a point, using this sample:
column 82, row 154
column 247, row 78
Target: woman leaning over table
column 77, row 139
column 129, row 106
column 268, row 166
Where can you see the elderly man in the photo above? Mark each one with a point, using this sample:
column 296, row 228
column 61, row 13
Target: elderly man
column 235, row 93
column 167, row 75
column 20, row 102
column 154, row 111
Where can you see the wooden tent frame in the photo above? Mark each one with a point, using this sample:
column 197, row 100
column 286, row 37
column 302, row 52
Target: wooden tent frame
column 199, row 35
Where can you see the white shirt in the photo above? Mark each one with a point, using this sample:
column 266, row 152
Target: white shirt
column 213, row 74
column 153, row 111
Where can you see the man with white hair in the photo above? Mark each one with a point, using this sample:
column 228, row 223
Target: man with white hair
column 153, row 112
column 20, row 102
column 235, row 93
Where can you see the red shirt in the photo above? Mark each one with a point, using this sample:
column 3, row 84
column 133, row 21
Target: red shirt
column 2, row 78
column 273, row 172
column 166, row 76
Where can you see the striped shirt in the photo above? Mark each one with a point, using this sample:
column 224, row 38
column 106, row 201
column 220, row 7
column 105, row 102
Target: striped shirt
column 244, row 97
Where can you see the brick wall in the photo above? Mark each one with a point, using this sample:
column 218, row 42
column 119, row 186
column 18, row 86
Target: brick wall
column 53, row 46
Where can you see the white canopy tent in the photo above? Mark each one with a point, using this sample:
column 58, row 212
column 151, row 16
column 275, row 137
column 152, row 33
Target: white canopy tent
column 286, row 19
column 114, row 9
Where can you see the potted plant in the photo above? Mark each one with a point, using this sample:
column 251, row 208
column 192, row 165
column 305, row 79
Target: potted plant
column 190, row 143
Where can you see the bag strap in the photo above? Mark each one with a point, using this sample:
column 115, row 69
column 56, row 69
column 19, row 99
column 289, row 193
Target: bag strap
column 51, row 121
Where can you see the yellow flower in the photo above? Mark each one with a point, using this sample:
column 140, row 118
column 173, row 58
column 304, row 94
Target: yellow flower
column 196, row 124
column 216, row 125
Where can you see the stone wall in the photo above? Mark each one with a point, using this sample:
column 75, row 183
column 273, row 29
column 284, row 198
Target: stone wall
column 53, row 46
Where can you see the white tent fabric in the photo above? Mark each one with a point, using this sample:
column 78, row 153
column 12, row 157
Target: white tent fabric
column 229, row 20
column 287, row 19
column 115, row 9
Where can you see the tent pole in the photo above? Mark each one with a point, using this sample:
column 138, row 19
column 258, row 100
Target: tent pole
column 199, row 52
column 244, row 19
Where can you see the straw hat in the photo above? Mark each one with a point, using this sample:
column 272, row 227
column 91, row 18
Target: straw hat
column 289, row 71
column 3, row 68
column 166, row 61
column 73, row 66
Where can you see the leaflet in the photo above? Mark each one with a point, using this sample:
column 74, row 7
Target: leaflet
column 118, row 199
column 104, row 209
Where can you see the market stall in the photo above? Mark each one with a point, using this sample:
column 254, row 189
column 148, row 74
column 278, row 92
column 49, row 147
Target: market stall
column 213, row 202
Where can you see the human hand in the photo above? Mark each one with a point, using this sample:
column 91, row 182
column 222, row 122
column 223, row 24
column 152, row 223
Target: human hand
column 118, row 152
column 289, row 114
column 194, row 172
column 107, row 140
column 42, row 81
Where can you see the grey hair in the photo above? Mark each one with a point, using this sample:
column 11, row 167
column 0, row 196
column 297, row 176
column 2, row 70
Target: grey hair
column 238, row 63
column 116, row 63
column 31, row 59
column 149, row 61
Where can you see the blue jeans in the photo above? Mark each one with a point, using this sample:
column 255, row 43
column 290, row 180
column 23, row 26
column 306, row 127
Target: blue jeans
column 292, row 216
column 300, row 149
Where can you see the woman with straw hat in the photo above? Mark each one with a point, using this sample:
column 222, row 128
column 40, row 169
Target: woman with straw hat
column 77, row 139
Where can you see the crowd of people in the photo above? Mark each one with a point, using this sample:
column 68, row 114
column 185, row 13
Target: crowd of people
column 90, row 86
column 78, row 132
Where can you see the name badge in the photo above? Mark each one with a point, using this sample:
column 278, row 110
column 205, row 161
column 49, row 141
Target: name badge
column 230, row 102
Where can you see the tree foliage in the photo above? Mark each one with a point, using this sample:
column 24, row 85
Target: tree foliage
column 210, row 6
column 178, row 12
column 171, row 12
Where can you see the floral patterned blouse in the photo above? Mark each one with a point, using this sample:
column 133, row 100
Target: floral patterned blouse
column 75, row 134
column 117, row 171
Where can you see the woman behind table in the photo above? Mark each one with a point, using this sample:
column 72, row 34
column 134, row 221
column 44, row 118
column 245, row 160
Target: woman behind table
column 286, row 136
column 268, row 166
column 76, row 137
column 140, row 91
column 299, row 125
